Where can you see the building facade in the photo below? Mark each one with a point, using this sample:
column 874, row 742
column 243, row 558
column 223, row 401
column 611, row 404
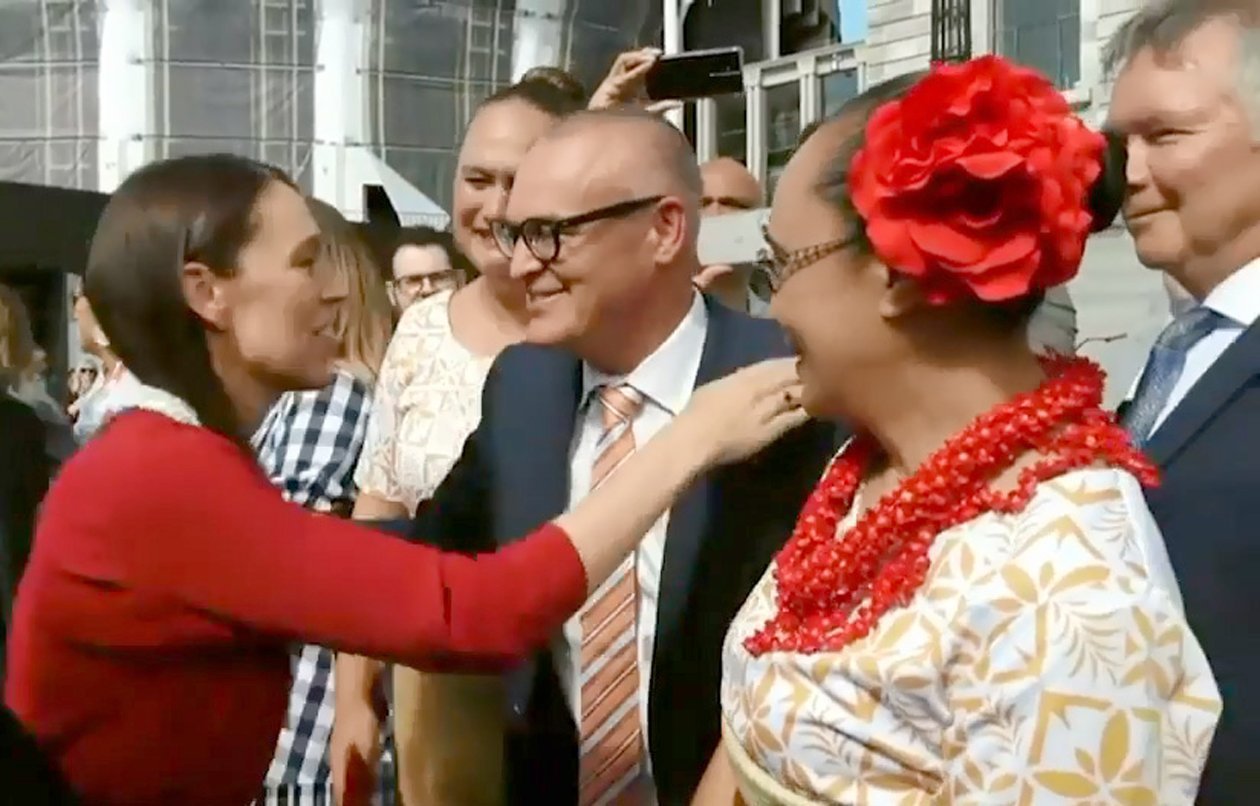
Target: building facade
column 343, row 93
column 814, row 59
column 337, row 92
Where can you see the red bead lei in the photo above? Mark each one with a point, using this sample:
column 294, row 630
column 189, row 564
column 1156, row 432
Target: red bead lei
column 833, row 590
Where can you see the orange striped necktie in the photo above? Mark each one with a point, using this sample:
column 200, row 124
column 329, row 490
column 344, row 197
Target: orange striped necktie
column 612, row 752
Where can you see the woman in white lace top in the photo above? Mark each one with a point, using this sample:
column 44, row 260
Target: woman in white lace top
column 427, row 402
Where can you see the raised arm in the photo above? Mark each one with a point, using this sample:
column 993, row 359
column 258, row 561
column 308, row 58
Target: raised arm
column 236, row 550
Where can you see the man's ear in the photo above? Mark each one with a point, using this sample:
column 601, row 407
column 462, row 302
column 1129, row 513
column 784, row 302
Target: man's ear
column 671, row 228
column 204, row 294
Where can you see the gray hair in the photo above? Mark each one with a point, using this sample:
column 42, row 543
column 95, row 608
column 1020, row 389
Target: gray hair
column 1163, row 25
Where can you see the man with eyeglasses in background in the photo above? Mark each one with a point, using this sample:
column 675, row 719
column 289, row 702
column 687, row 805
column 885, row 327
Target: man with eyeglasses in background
column 602, row 231
column 727, row 188
column 423, row 262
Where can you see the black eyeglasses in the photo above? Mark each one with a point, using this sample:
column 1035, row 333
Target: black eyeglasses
column 542, row 235
column 780, row 263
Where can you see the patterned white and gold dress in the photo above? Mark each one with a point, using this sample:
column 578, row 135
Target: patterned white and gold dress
column 427, row 402
column 1045, row 660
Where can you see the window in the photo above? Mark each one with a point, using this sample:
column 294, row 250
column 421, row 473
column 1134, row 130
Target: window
column 732, row 137
column 1044, row 34
column 429, row 66
column 596, row 31
column 234, row 79
column 783, row 128
column 48, row 92
column 807, row 25
column 726, row 23
column 837, row 89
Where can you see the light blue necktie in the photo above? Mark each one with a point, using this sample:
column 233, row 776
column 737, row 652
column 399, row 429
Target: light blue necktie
column 1164, row 368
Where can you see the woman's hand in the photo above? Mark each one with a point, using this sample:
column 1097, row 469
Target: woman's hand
column 725, row 421
column 626, row 83
column 355, row 745
column 733, row 418
column 709, row 275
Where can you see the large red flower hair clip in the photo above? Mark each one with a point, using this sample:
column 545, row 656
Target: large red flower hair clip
column 977, row 182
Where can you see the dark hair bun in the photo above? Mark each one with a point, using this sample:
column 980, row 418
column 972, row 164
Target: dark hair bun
column 1107, row 194
column 560, row 80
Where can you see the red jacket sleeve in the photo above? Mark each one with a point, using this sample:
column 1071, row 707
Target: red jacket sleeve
column 210, row 532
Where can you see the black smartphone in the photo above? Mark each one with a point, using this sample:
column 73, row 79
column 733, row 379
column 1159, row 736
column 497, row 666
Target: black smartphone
column 696, row 74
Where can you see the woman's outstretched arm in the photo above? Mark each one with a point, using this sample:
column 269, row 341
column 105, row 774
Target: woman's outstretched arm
column 236, row 550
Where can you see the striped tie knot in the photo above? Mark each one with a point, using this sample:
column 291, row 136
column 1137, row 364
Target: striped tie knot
column 621, row 404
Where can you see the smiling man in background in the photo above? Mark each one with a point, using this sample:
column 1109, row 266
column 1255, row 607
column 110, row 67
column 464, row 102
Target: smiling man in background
column 1187, row 101
column 424, row 262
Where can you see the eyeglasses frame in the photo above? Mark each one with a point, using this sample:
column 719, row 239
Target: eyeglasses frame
column 778, row 265
column 507, row 234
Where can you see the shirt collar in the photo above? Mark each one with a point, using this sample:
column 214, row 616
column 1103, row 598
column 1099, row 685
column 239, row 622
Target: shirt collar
column 660, row 377
column 1237, row 297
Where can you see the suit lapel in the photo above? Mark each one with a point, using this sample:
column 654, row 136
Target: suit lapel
column 533, row 457
column 688, row 519
column 1223, row 380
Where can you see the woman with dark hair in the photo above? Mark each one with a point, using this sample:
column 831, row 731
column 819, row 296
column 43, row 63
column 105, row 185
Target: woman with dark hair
column 975, row 605
column 308, row 445
column 149, row 649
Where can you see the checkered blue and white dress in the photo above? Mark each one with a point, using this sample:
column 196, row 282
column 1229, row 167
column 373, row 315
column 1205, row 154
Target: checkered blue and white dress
column 309, row 444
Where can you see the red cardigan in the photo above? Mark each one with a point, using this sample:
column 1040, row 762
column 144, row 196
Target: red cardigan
column 148, row 653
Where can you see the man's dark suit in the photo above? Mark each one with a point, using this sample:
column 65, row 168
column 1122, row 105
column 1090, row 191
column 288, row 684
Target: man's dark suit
column 1208, row 508
column 513, row 476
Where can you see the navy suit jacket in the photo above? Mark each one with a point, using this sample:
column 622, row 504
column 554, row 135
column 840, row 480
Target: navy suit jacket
column 513, row 476
column 1208, row 508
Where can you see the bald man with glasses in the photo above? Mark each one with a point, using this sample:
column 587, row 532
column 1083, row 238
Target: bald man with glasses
column 601, row 231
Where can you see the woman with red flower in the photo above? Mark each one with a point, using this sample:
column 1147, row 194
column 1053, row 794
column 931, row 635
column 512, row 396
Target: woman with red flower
column 975, row 605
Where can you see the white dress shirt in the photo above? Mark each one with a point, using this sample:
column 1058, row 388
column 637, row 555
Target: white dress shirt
column 1237, row 300
column 666, row 379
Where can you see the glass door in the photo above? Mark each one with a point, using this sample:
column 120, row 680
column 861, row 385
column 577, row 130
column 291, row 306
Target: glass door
column 837, row 89
column 781, row 123
column 731, row 112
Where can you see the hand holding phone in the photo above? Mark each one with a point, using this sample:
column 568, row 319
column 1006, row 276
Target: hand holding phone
column 625, row 84
column 696, row 74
